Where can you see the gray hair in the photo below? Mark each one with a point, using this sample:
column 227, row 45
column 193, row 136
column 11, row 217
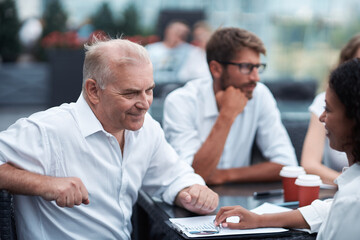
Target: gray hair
column 102, row 56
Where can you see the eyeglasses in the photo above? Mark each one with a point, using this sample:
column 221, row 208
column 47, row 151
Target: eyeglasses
column 246, row 68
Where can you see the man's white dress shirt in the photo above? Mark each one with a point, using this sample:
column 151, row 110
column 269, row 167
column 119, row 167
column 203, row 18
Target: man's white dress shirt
column 69, row 141
column 337, row 219
column 190, row 114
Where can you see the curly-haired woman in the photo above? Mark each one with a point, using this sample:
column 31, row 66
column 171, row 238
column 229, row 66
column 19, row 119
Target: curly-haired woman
column 335, row 219
column 317, row 157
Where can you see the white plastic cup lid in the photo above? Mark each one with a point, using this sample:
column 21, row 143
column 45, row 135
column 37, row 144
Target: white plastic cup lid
column 308, row 180
column 292, row 171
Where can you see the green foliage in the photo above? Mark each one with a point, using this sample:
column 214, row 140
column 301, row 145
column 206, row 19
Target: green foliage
column 125, row 22
column 340, row 35
column 290, row 31
column 130, row 23
column 54, row 17
column 103, row 20
column 9, row 28
column 303, row 33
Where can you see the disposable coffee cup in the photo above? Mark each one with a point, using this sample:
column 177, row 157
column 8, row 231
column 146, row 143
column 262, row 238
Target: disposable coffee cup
column 289, row 175
column 308, row 188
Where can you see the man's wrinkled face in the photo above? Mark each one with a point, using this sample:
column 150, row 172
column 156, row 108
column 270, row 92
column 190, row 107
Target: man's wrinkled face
column 124, row 101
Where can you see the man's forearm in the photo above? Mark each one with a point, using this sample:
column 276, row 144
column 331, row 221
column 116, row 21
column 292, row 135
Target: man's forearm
column 262, row 172
column 19, row 181
column 208, row 156
column 67, row 192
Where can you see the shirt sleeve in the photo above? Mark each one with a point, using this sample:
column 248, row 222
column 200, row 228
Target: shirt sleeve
column 316, row 213
column 167, row 174
column 179, row 123
column 25, row 144
column 341, row 223
column 317, row 106
column 272, row 137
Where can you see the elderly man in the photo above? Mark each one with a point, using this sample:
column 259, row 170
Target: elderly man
column 212, row 123
column 96, row 154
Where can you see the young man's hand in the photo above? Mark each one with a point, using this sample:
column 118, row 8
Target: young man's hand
column 231, row 102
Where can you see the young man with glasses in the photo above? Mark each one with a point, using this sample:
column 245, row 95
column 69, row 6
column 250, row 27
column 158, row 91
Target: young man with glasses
column 213, row 124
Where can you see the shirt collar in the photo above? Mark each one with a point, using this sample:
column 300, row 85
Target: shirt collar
column 88, row 123
column 210, row 104
column 348, row 175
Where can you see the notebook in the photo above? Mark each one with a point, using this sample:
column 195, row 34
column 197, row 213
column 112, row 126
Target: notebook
column 203, row 226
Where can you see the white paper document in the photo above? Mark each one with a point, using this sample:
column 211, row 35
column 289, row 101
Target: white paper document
column 270, row 208
column 203, row 226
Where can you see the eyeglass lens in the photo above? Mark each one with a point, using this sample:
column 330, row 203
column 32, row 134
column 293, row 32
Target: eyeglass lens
column 247, row 68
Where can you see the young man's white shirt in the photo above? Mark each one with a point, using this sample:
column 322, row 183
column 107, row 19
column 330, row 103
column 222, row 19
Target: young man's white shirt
column 190, row 113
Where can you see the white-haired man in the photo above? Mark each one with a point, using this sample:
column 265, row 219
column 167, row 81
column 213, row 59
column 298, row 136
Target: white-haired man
column 96, row 154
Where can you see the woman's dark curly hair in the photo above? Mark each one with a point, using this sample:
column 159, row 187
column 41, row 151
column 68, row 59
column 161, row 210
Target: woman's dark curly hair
column 345, row 82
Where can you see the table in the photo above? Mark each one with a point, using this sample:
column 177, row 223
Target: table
column 150, row 215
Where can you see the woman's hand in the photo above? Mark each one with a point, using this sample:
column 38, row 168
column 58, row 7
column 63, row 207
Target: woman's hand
column 247, row 219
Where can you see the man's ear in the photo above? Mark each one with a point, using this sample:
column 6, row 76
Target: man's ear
column 92, row 90
column 216, row 69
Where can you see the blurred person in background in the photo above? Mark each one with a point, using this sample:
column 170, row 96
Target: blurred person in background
column 213, row 123
column 174, row 59
column 76, row 169
column 317, row 157
column 29, row 35
column 201, row 34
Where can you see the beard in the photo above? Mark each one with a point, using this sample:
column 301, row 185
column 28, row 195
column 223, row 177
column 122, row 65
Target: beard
column 247, row 88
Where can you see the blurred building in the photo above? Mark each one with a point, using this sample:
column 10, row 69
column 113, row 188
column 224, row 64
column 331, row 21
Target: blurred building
column 293, row 31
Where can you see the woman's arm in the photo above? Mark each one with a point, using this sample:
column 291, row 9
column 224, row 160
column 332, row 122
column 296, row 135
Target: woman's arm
column 248, row 219
column 313, row 150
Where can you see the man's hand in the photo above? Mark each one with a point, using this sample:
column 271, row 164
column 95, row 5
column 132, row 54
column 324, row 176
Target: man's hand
column 231, row 102
column 198, row 199
column 247, row 219
column 67, row 192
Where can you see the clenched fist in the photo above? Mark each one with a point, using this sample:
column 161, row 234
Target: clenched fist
column 67, row 192
column 198, row 199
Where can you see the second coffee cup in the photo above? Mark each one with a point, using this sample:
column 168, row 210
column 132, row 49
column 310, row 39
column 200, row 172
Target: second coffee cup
column 308, row 188
column 289, row 175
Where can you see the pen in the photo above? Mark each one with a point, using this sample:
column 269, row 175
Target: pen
column 217, row 227
column 204, row 232
column 274, row 192
column 288, row 204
